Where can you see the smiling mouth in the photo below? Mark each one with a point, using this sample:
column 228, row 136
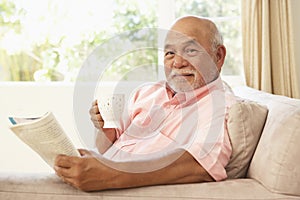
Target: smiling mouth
column 183, row 75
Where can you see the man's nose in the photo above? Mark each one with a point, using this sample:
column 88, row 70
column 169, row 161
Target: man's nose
column 179, row 61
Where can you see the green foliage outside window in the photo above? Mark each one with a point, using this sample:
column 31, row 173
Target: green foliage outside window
column 57, row 58
column 142, row 64
column 226, row 15
column 44, row 54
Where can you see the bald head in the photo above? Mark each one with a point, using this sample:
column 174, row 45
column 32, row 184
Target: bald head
column 203, row 29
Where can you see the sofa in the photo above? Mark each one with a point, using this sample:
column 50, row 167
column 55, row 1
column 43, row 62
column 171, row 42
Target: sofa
column 265, row 133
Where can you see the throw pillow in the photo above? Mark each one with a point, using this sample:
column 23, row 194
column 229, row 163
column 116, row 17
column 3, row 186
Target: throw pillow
column 245, row 123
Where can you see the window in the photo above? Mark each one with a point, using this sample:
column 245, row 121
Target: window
column 226, row 15
column 49, row 40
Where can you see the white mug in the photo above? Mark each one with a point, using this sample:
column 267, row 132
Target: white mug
column 111, row 108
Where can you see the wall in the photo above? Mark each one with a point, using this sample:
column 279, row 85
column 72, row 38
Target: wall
column 30, row 99
column 35, row 99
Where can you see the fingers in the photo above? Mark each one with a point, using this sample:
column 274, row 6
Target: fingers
column 61, row 161
column 64, row 161
column 84, row 152
column 63, row 172
column 96, row 117
column 95, row 102
column 98, row 124
column 94, row 110
column 64, row 166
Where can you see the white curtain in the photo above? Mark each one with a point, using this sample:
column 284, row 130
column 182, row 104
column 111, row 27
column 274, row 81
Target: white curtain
column 268, row 49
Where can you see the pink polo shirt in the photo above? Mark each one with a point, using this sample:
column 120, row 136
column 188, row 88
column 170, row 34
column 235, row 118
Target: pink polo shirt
column 158, row 121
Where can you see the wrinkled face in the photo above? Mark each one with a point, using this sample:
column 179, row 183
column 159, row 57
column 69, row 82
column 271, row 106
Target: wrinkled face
column 188, row 64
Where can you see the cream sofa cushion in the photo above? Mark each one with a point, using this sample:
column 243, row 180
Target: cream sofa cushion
column 276, row 163
column 245, row 123
column 50, row 187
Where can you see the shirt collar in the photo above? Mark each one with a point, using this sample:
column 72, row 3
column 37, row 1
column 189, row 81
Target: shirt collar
column 187, row 98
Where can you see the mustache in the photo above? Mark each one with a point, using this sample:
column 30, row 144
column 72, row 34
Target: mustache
column 182, row 72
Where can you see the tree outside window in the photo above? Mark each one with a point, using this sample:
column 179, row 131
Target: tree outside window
column 49, row 40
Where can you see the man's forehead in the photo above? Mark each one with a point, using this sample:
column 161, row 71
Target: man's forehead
column 180, row 39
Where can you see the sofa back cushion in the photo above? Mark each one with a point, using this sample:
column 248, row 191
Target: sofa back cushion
column 276, row 161
column 245, row 124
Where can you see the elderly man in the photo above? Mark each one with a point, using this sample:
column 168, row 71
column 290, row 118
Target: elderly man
column 178, row 126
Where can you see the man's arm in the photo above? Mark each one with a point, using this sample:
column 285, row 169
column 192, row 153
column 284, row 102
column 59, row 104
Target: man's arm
column 104, row 139
column 89, row 174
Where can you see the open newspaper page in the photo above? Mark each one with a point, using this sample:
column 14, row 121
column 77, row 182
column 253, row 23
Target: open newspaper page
column 44, row 135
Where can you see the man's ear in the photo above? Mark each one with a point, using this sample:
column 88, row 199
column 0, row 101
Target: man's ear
column 221, row 54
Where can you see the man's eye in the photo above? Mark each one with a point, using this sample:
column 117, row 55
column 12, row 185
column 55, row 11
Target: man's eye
column 169, row 53
column 191, row 52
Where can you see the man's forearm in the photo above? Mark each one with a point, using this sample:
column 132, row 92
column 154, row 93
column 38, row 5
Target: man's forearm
column 89, row 174
column 184, row 170
column 103, row 142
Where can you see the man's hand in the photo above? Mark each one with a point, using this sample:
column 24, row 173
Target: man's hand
column 85, row 173
column 89, row 174
column 105, row 136
column 96, row 116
